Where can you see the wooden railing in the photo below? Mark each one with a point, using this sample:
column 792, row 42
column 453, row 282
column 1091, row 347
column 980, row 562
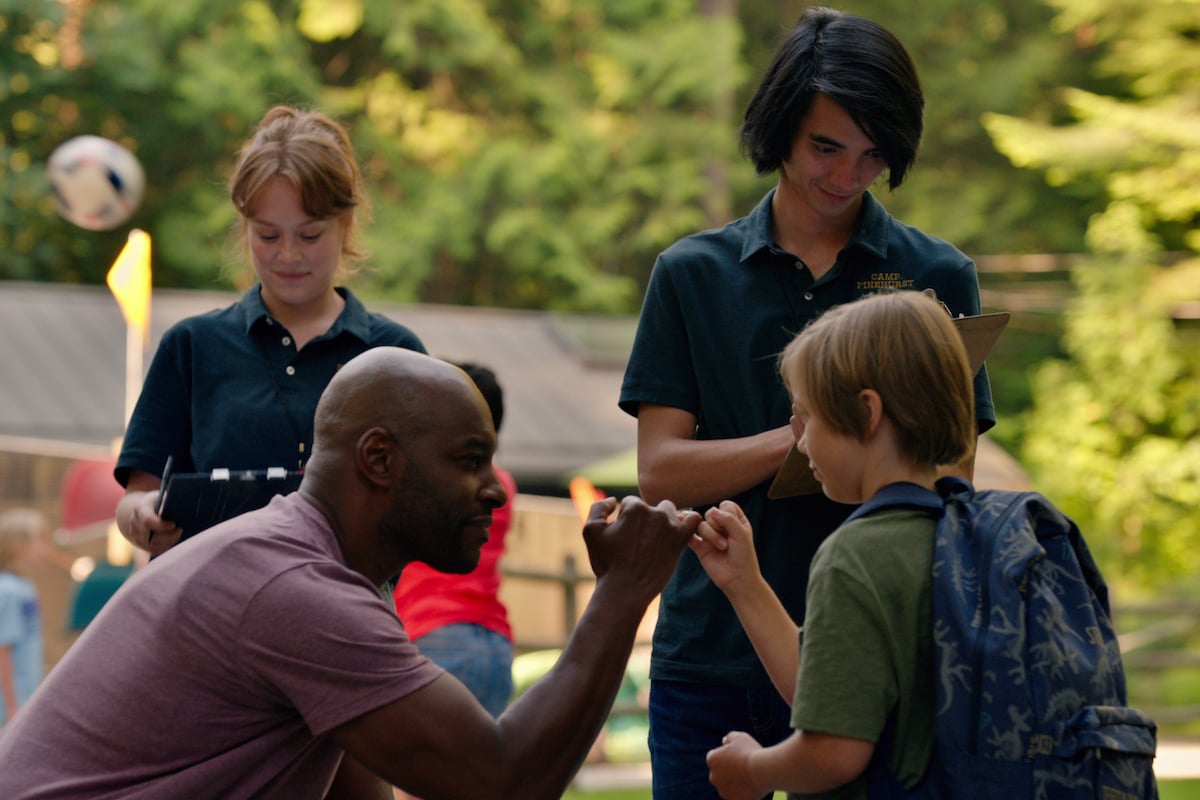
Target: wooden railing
column 568, row 581
column 1160, row 647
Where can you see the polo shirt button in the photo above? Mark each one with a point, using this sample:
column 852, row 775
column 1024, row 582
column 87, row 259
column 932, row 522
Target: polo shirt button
column 290, row 370
column 799, row 265
column 808, row 296
column 287, row 340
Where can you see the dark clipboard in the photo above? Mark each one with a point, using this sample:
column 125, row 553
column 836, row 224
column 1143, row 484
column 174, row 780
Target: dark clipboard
column 196, row 501
column 979, row 332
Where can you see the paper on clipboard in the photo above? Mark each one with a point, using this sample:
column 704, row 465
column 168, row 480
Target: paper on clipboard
column 979, row 333
column 195, row 501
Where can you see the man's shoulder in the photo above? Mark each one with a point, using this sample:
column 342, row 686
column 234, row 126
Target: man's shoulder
column 288, row 525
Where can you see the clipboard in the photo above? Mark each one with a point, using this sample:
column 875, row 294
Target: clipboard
column 979, row 333
column 196, row 501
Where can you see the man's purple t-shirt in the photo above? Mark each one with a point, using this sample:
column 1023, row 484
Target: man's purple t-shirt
column 217, row 671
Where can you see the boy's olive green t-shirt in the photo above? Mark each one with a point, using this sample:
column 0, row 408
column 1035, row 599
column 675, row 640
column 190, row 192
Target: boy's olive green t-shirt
column 867, row 642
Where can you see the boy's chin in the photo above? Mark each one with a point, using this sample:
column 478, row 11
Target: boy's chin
column 841, row 497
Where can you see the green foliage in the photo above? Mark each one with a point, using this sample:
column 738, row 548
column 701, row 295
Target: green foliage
column 1179, row 790
column 552, row 173
column 520, row 154
column 178, row 83
column 1141, row 135
column 975, row 59
column 527, row 154
column 1114, row 434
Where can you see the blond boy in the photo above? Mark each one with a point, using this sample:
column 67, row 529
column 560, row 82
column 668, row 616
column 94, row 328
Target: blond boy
column 882, row 395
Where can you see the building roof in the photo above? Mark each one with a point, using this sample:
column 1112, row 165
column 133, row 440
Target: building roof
column 64, row 357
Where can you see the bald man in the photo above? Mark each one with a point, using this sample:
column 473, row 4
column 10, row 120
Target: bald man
column 248, row 661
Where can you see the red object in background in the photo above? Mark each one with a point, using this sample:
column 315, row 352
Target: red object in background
column 89, row 499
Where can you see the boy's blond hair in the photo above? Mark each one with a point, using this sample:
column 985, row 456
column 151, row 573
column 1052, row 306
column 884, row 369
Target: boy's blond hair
column 18, row 527
column 905, row 347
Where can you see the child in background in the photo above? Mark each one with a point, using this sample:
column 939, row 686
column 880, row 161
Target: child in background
column 882, row 394
column 21, row 648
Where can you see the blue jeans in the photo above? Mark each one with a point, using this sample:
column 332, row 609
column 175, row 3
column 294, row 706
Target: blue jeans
column 480, row 658
column 689, row 719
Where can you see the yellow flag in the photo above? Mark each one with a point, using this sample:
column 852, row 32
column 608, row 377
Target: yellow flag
column 129, row 280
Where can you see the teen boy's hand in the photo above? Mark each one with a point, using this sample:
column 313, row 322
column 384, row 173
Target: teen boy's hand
column 729, row 767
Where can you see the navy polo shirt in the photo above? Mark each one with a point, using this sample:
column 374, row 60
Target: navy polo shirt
column 229, row 388
column 719, row 309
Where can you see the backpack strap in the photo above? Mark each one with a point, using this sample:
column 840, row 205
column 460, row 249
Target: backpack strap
column 882, row 783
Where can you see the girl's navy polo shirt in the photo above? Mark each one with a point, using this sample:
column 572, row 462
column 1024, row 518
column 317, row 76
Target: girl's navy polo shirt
column 228, row 389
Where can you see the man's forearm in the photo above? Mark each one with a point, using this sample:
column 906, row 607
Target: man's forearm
column 548, row 731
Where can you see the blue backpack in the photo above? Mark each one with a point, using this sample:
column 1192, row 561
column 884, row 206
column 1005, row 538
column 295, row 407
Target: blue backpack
column 1030, row 688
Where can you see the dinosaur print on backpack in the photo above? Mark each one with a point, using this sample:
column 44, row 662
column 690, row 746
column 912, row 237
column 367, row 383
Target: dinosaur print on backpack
column 1031, row 696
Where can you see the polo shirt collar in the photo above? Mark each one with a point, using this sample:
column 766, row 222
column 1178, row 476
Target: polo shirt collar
column 758, row 229
column 252, row 307
column 872, row 233
column 353, row 319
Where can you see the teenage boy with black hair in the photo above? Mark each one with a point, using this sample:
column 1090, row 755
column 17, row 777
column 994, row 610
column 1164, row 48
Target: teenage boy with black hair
column 839, row 106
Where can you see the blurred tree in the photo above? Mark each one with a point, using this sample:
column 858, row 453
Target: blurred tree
column 179, row 83
column 993, row 56
column 1114, row 435
column 41, row 46
column 532, row 154
column 521, row 154
column 538, row 155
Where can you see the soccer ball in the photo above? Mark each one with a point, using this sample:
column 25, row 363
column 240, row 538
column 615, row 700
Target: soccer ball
column 97, row 184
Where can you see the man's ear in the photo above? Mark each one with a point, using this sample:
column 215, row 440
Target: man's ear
column 379, row 459
column 871, row 406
